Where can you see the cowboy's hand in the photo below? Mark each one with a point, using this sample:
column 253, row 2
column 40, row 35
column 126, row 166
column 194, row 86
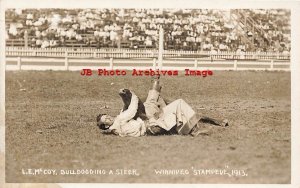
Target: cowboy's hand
column 158, row 114
column 108, row 131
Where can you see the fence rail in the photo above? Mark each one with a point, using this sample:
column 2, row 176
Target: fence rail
column 67, row 63
column 140, row 53
column 71, row 59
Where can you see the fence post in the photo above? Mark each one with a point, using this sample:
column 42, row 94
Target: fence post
column 235, row 65
column 196, row 63
column 66, row 61
column 272, row 64
column 254, row 55
column 26, row 39
column 154, row 63
column 111, row 63
column 19, row 63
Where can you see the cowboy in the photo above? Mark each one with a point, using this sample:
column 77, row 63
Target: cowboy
column 175, row 118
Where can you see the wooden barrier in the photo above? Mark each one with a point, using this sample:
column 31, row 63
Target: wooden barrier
column 71, row 63
column 124, row 53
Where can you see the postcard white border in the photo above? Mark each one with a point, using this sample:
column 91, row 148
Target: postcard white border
column 210, row 4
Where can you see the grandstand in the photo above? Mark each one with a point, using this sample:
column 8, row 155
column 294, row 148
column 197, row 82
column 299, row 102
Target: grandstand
column 258, row 30
column 257, row 38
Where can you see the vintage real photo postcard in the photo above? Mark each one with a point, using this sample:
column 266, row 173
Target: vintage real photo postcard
column 161, row 93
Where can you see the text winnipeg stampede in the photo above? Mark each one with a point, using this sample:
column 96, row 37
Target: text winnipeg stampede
column 148, row 72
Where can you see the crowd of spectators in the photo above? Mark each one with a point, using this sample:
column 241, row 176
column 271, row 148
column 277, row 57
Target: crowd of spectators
column 274, row 27
column 184, row 29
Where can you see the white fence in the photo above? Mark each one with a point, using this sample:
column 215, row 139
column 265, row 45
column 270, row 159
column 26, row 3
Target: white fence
column 29, row 63
column 71, row 59
column 139, row 53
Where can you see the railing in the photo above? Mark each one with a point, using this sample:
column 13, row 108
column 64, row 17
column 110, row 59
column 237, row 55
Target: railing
column 112, row 58
column 67, row 63
column 107, row 53
column 80, row 52
column 251, row 24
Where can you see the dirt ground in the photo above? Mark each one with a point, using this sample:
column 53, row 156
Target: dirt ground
column 50, row 124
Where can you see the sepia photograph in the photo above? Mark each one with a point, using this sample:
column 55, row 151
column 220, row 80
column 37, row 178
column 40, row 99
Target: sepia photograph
column 152, row 95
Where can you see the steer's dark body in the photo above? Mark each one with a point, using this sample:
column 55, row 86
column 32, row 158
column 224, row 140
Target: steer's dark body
column 126, row 97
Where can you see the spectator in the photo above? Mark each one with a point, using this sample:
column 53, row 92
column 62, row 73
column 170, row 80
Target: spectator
column 184, row 28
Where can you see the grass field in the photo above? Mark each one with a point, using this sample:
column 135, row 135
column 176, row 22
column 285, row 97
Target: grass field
column 50, row 124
